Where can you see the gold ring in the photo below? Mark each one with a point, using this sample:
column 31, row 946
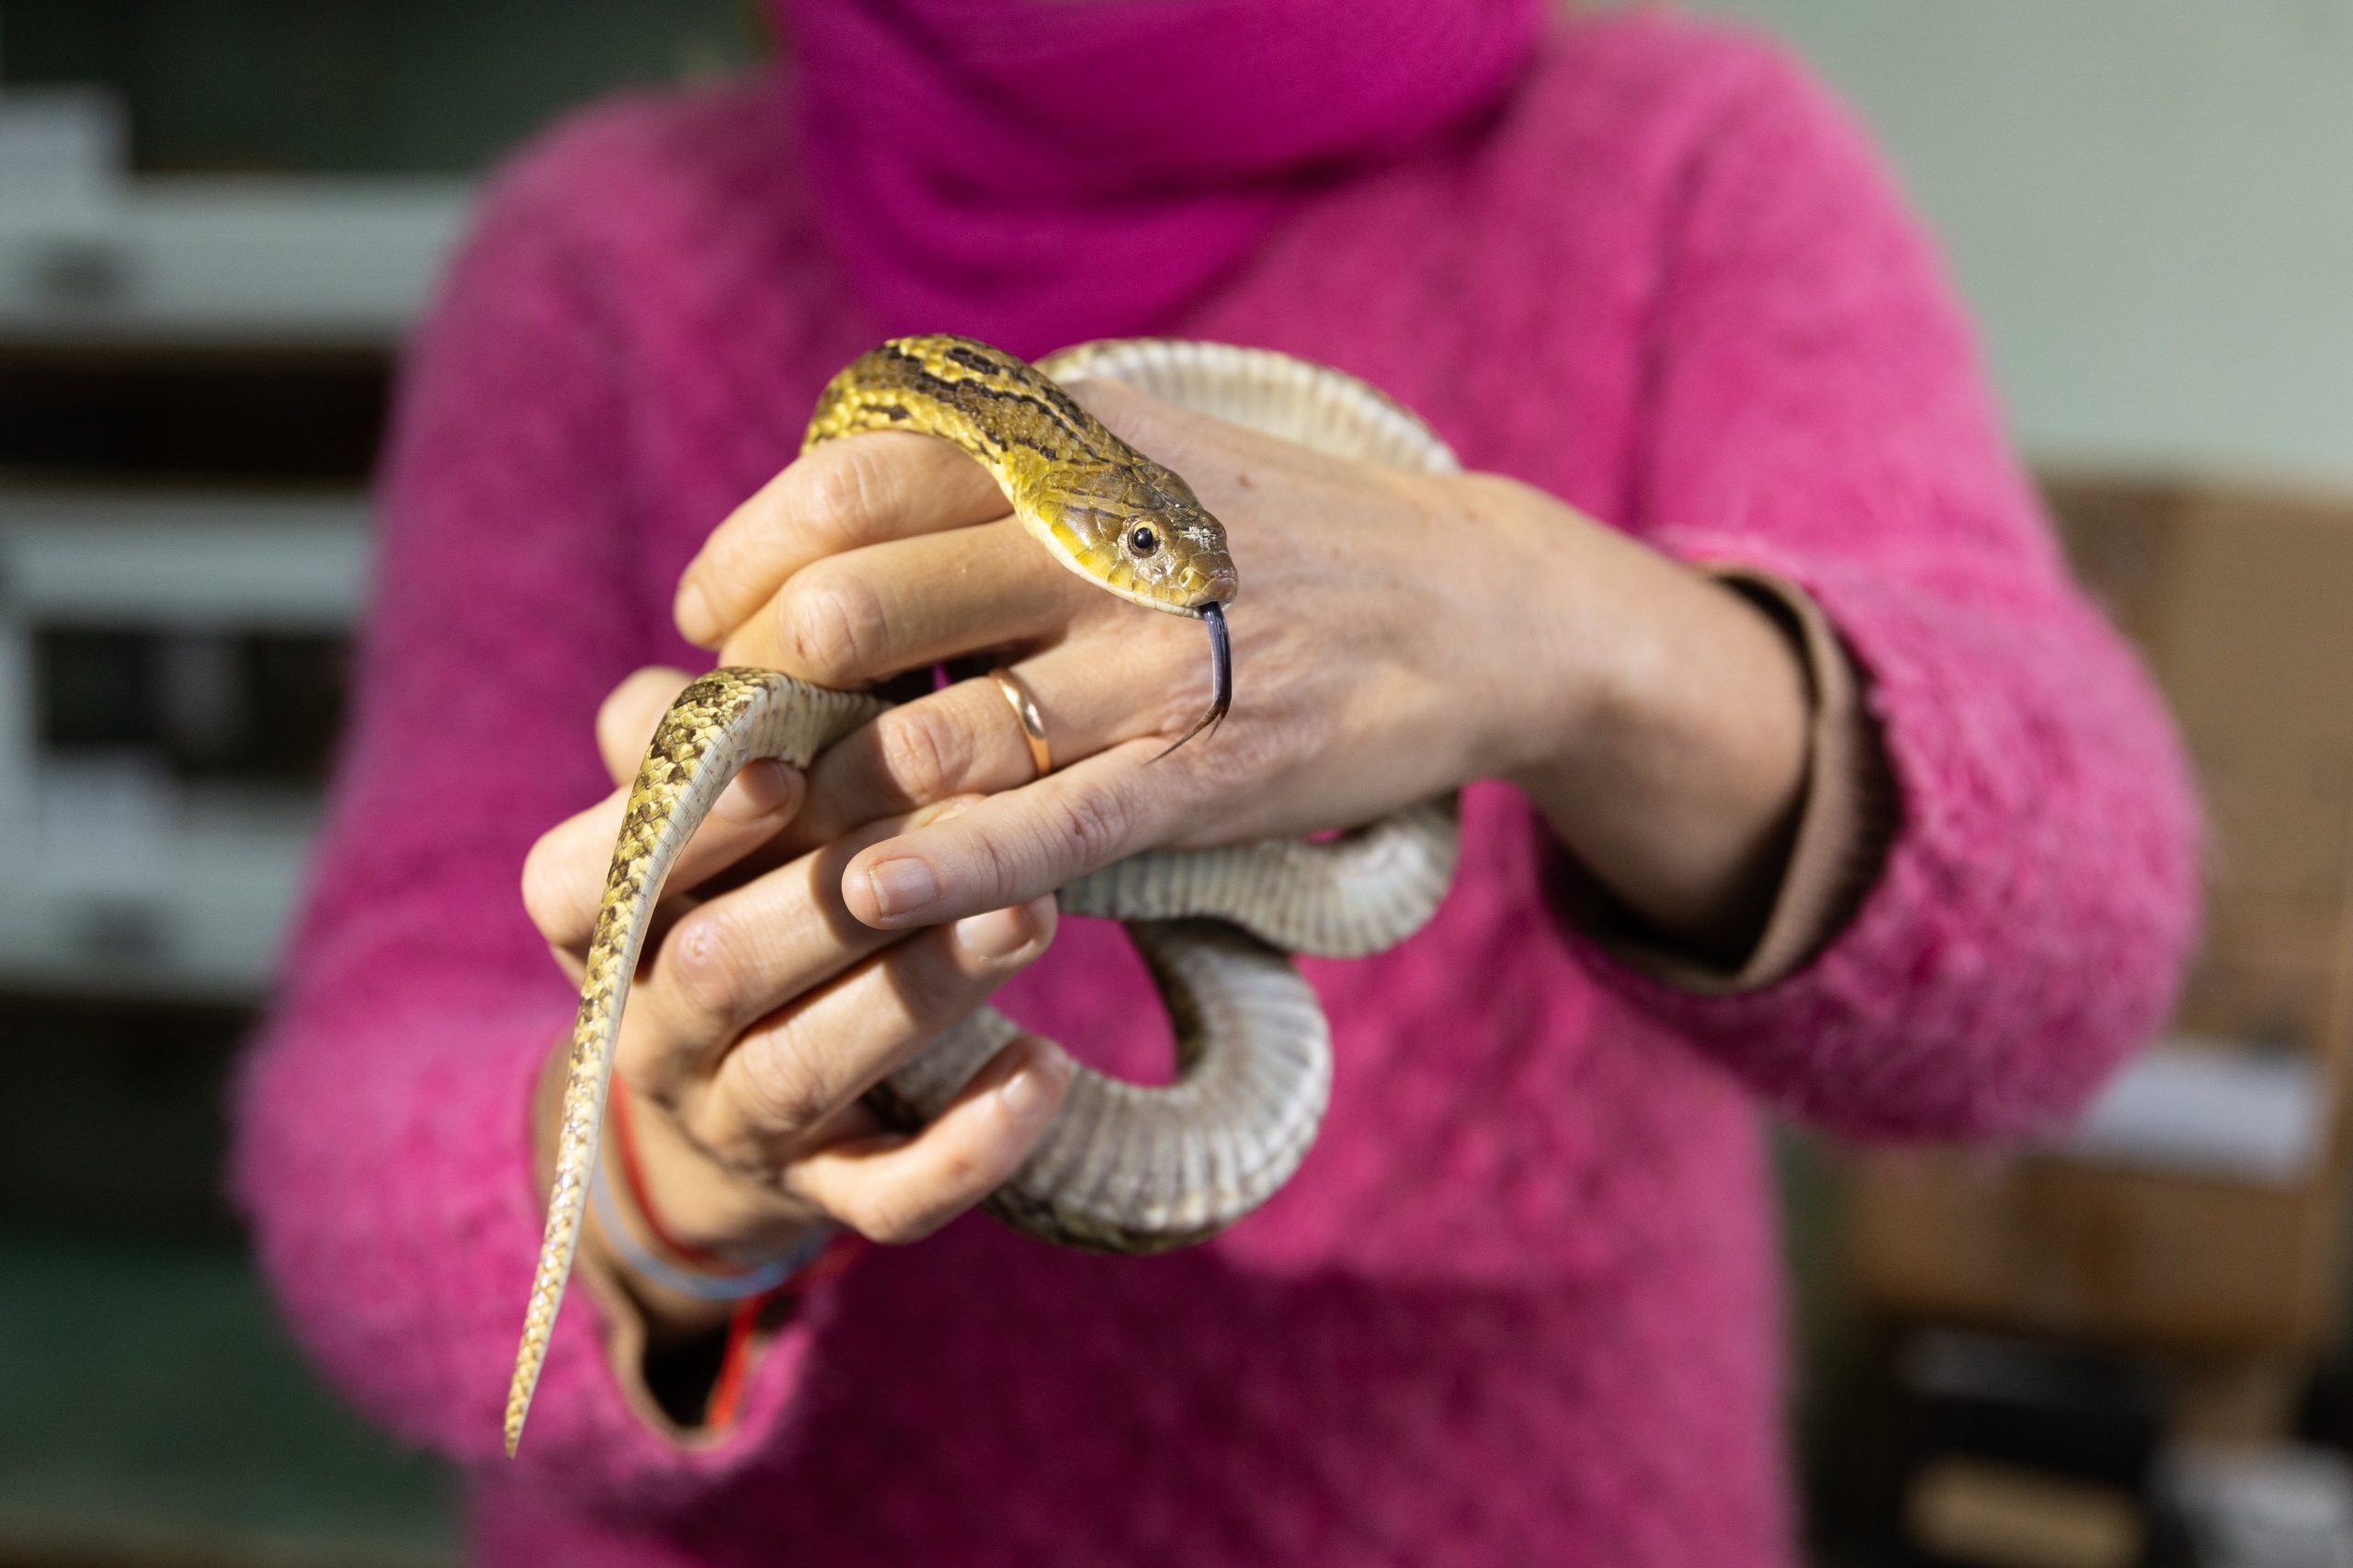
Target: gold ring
column 1025, row 709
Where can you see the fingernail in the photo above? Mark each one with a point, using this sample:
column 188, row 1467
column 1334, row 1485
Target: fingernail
column 901, row 887
column 1024, row 1096
column 999, row 934
column 692, row 612
column 756, row 793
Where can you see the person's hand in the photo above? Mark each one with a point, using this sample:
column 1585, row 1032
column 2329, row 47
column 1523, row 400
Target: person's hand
column 1396, row 635
column 761, row 1014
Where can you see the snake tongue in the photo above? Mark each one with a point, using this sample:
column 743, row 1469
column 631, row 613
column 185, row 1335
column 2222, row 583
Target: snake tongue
column 1220, row 677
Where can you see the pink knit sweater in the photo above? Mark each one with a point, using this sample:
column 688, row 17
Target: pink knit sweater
column 1520, row 1303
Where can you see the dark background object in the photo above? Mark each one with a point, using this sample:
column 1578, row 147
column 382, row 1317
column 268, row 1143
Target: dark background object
column 210, row 415
column 361, row 86
column 150, row 1409
column 255, row 708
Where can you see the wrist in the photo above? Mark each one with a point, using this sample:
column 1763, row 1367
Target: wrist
column 655, row 1199
column 1566, row 662
column 1661, row 727
column 1514, row 688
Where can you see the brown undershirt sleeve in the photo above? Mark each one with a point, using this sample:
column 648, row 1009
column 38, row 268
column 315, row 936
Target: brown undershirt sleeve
column 1845, row 825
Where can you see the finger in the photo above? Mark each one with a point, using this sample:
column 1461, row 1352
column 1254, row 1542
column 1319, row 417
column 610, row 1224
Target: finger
column 788, row 1073
column 844, row 496
column 564, row 874
column 896, row 1189
column 968, row 739
column 625, row 725
column 1017, row 846
column 737, row 957
column 628, row 717
column 849, row 619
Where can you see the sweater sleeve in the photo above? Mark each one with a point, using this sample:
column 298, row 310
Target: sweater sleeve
column 384, row 1153
column 1816, row 412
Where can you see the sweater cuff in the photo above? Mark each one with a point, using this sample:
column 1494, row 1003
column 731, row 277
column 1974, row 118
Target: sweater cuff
column 677, row 1393
column 1845, row 826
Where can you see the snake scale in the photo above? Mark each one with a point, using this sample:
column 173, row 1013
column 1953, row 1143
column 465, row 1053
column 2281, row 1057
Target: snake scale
column 1123, row 1168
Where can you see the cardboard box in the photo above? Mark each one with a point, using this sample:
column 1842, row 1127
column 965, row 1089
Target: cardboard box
column 2047, row 1246
column 2242, row 602
column 2238, row 598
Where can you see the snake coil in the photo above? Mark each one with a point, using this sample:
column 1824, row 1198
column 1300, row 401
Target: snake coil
column 1124, row 1167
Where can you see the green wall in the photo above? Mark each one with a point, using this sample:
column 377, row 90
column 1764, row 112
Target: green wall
column 2149, row 202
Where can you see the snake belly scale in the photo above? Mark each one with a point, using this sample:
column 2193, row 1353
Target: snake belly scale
column 1123, row 1168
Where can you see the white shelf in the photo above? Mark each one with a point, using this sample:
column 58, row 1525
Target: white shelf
column 251, row 262
column 135, row 891
column 117, row 880
column 120, row 881
column 272, row 562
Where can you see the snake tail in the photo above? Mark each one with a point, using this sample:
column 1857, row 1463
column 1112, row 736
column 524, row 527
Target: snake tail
column 717, row 724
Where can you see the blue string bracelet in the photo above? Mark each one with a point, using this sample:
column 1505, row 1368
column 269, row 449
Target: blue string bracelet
column 658, row 1270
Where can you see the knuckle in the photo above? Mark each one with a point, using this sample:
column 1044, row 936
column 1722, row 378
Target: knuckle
column 844, row 494
column 933, row 989
column 707, row 965
column 1001, row 869
column 1266, row 751
column 782, row 1092
column 1094, row 827
column 834, row 624
column 923, row 752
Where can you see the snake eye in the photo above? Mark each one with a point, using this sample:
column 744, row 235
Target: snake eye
column 1142, row 540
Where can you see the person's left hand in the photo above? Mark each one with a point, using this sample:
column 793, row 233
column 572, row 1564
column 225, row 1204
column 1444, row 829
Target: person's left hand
column 1395, row 636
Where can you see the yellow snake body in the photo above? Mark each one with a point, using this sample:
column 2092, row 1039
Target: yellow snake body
column 1124, row 1167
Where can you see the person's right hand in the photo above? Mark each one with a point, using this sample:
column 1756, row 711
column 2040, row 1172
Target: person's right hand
column 762, row 1012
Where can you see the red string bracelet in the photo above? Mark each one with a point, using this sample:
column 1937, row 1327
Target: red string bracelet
column 633, row 1179
column 743, row 1316
column 736, row 1359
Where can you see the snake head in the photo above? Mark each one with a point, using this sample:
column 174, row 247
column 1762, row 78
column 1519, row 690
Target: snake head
column 1139, row 530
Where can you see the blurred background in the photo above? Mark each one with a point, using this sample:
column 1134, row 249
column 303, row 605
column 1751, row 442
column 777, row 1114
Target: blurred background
column 217, row 219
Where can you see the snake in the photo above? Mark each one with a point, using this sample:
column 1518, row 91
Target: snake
column 1122, row 1167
